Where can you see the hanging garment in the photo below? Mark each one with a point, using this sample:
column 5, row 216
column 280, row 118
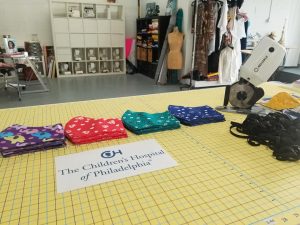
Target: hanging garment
column 240, row 3
column 231, row 18
column 84, row 130
column 212, row 43
column 179, row 20
column 204, row 33
column 193, row 116
column 143, row 123
column 244, row 41
column 222, row 24
column 213, row 62
column 238, row 33
column 227, row 66
column 213, row 58
column 20, row 139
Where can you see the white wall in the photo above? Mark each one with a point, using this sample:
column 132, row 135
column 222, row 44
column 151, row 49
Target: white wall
column 281, row 10
column 22, row 18
column 131, row 14
column 289, row 9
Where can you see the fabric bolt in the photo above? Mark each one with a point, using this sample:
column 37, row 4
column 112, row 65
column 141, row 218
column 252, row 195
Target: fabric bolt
column 20, row 139
column 193, row 116
column 143, row 123
column 84, row 130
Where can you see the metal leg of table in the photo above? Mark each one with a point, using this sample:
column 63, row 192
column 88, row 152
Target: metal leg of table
column 14, row 85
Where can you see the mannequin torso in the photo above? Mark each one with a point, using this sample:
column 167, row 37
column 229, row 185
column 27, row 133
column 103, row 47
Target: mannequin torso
column 175, row 59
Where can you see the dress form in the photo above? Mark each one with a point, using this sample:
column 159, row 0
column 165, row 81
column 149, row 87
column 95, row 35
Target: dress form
column 175, row 59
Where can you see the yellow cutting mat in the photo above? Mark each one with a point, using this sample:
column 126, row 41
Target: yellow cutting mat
column 220, row 179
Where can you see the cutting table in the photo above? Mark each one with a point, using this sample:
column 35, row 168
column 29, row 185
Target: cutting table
column 220, row 179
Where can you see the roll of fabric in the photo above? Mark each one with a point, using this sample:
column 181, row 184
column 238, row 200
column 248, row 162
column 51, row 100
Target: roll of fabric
column 143, row 122
column 84, row 130
column 193, row 116
column 20, row 139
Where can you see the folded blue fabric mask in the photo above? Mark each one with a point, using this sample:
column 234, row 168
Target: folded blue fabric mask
column 193, row 116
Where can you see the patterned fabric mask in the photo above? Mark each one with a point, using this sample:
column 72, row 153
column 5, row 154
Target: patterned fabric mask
column 193, row 116
column 19, row 139
column 143, row 123
column 84, row 130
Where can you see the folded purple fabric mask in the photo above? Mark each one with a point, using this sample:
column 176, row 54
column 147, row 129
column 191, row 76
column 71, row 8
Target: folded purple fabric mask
column 19, row 139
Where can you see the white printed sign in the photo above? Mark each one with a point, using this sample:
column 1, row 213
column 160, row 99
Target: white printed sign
column 107, row 164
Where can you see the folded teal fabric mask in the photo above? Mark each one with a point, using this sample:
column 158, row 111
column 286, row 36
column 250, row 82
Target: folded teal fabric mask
column 143, row 123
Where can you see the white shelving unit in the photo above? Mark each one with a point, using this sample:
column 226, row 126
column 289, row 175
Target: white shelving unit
column 89, row 37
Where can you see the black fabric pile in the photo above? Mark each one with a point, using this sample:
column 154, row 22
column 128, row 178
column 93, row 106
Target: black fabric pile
column 278, row 131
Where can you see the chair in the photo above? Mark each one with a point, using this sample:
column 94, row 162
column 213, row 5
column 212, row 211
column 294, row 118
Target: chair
column 6, row 71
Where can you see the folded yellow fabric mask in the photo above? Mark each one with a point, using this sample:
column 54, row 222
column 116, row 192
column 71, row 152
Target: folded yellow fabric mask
column 282, row 101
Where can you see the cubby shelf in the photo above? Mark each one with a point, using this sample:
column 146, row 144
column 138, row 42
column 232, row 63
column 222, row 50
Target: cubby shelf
column 151, row 32
column 88, row 35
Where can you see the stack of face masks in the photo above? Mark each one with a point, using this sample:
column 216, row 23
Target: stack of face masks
column 193, row 116
column 143, row 123
column 18, row 139
column 84, row 130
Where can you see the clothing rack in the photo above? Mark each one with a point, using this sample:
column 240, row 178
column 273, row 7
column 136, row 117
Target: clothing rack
column 228, row 1
column 197, row 2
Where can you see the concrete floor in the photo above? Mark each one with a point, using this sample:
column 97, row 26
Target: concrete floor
column 100, row 87
column 294, row 70
column 85, row 88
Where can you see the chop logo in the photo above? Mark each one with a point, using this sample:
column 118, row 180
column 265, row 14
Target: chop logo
column 110, row 154
column 256, row 69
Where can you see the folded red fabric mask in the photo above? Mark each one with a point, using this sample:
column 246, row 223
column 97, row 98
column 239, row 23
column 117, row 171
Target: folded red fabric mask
column 84, row 130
